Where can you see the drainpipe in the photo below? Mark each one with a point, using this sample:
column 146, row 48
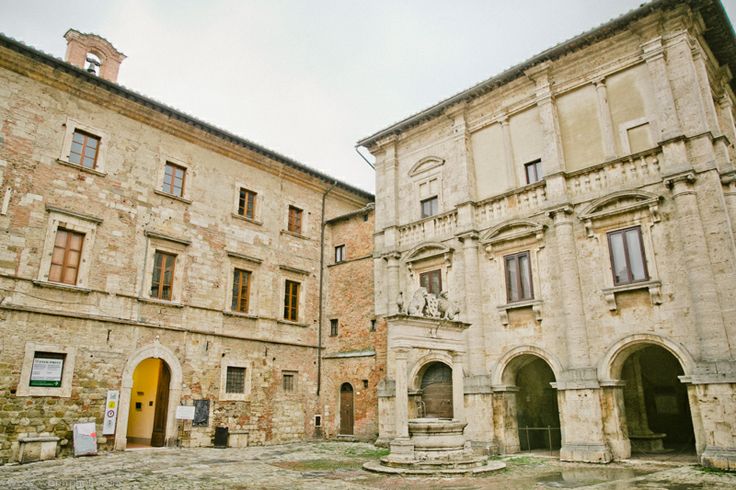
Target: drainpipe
column 321, row 287
column 364, row 158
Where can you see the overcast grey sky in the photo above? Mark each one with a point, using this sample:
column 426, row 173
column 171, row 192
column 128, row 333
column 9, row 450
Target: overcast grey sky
column 309, row 78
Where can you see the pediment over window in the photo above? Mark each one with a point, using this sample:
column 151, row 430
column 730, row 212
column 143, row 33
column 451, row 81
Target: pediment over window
column 619, row 203
column 512, row 233
column 425, row 164
column 428, row 251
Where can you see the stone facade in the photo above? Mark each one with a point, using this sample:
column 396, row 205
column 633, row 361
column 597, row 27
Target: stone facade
column 516, row 196
column 354, row 340
column 111, row 313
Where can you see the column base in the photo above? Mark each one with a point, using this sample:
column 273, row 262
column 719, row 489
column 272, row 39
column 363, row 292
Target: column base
column 585, row 453
column 402, row 450
column 722, row 458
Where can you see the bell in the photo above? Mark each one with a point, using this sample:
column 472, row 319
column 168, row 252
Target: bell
column 93, row 65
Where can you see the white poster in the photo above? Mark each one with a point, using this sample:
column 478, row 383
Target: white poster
column 46, row 371
column 185, row 412
column 111, row 412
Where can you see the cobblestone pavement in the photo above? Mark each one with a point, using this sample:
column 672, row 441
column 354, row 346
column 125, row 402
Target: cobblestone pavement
column 335, row 465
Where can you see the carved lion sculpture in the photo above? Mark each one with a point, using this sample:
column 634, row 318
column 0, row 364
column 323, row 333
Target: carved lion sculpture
column 447, row 309
column 417, row 303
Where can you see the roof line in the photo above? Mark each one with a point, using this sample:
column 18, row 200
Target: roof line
column 547, row 55
column 55, row 62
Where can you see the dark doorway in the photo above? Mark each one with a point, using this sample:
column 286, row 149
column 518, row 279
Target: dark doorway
column 437, row 391
column 656, row 402
column 536, row 401
column 158, row 437
column 346, row 409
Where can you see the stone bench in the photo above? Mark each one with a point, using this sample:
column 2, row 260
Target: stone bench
column 37, row 448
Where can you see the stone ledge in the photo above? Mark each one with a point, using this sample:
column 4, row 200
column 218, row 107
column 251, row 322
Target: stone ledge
column 534, row 304
column 654, row 287
column 63, row 287
column 246, row 219
column 80, row 167
column 171, row 196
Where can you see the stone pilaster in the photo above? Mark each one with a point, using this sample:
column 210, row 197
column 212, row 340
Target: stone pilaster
column 458, row 387
column 401, row 409
column 508, row 153
column 604, row 120
column 668, row 122
column 553, row 161
column 465, row 177
column 393, row 286
column 576, row 334
column 707, row 317
column 474, row 335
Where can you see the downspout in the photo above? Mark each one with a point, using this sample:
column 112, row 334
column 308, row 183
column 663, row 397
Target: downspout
column 321, row 287
column 364, row 158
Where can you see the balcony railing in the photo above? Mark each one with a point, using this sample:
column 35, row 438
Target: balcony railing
column 428, row 229
column 502, row 207
column 617, row 173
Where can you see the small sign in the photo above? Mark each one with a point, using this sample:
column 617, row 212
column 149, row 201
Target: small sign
column 46, row 371
column 111, row 412
column 185, row 412
column 85, row 439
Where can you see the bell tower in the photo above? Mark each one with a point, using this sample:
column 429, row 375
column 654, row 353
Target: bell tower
column 93, row 54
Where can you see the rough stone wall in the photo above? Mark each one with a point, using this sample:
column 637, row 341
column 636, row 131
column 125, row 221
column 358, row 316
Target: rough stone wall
column 357, row 354
column 109, row 315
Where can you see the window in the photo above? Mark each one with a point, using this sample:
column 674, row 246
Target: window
column 235, row 380
column 247, row 203
column 84, row 149
column 518, row 277
column 295, row 220
column 291, row 301
column 429, row 207
column 333, row 327
column 431, row 281
column 339, row 253
column 163, row 275
column 533, row 171
column 47, row 369
column 66, row 256
column 289, row 381
column 627, row 256
column 174, row 179
column 373, row 325
column 241, row 290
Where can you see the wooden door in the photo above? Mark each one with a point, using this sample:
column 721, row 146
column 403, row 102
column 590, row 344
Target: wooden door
column 346, row 409
column 158, row 437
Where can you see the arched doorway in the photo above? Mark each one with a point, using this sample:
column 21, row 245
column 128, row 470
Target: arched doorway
column 656, row 405
column 537, row 412
column 149, row 404
column 346, row 409
column 436, row 391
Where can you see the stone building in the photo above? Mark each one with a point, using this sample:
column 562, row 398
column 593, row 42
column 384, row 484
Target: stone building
column 579, row 208
column 354, row 340
column 150, row 260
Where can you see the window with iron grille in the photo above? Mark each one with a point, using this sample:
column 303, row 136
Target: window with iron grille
column 162, row 282
column 291, row 301
column 628, row 261
column 174, row 179
column 289, row 381
column 431, row 281
column 247, row 203
column 66, row 256
column 84, row 149
column 241, row 290
column 235, row 380
column 295, row 220
column 518, row 277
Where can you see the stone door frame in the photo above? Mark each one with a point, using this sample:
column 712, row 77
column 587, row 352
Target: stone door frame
column 154, row 351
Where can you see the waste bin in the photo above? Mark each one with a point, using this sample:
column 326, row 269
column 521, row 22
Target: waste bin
column 221, row 436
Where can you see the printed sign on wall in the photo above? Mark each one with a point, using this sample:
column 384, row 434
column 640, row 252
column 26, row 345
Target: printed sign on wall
column 46, row 370
column 111, row 412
